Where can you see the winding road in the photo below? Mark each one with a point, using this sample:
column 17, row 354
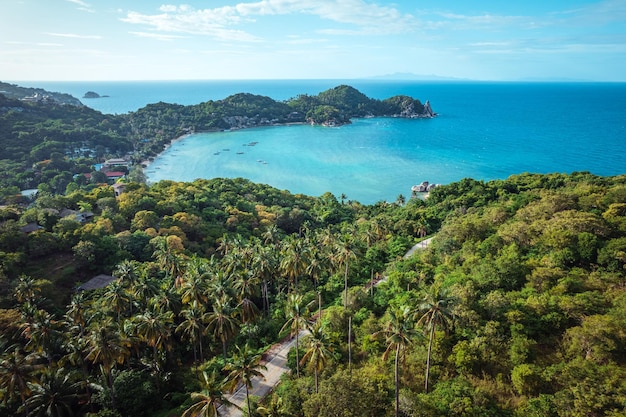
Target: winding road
column 276, row 366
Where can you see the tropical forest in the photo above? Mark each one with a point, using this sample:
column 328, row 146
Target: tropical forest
column 485, row 298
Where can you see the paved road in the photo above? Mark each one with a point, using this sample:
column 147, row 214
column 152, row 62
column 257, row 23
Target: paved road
column 276, row 366
column 423, row 244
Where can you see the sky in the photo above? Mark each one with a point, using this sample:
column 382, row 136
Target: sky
column 88, row 40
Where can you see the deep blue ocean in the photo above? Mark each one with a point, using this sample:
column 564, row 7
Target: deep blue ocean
column 483, row 131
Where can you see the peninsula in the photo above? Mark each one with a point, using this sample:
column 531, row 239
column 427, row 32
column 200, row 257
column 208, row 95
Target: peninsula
column 50, row 128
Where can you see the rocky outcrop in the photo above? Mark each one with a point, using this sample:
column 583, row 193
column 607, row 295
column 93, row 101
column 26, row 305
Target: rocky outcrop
column 92, row 94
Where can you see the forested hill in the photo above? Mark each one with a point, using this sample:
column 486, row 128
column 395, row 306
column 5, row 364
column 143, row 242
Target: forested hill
column 37, row 94
column 517, row 307
column 75, row 137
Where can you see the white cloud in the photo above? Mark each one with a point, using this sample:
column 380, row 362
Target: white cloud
column 219, row 22
column 210, row 22
column 85, row 7
column 158, row 36
column 381, row 19
column 79, row 2
column 73, row 35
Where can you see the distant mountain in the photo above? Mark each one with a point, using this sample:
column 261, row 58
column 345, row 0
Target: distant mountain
column 36, row 94
column 412, row 76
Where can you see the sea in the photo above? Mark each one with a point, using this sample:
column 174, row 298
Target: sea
column 484, row 131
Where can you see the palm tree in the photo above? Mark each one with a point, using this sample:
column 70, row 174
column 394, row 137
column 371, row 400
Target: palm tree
column 17, row 373
column 168, row 259
column 318, row 350
column 246, row 286
column 399, row 333
column 192, row 327
column 275, row 408
column 295, row 312
column 221, row 322
column 245, row 365
column 345, row 251
column 208, row 400
column 58, row 394
column 116, row 299
column 107, row 346
column 194, row 286
column 154, row 329
column 264, row 265
column 435, row 310
column 43, row 333
column 294, row 258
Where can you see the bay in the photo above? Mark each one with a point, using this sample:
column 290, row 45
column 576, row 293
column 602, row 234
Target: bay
column 483, row 131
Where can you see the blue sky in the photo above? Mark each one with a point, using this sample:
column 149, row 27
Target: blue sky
column 299, row 39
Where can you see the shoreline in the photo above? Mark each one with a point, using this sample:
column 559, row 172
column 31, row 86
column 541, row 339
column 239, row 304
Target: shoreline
column 145, row 163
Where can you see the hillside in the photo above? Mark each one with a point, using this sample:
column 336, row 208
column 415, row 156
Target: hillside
column 516, row 308
column 37, row 95
column 33, row 133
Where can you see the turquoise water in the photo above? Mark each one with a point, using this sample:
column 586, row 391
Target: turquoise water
column 484, row 131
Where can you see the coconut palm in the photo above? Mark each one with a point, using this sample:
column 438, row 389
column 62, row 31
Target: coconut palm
column 318, row 351
column 107, row 346
column 399, row 333
column 42, row 333
column 294, row 261
column 435, row 310
column 192, row 327
column 264, row 265
column 154, row 329
column 296, row 313
column 17, row 372
column 275, row 408
column 344, row 252
column 58, row 394
column 207, row 401
column 244, row 365
column 221, row 322
column 194, row 286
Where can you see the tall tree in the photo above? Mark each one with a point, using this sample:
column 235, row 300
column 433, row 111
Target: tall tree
column 399, row 333
column 434, row 310
column 207, row 401
column 58, row 394
column 295, row 312
column 192, row 328
column 318, row 350
column 107, row 346
column 294, row 261
column 221, row 322
column 154, row 329
column 17, row 372
column 344, row 252
column 244, row 366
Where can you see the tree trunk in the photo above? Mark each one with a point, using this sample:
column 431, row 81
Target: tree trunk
column 345, row 286
column 297, row 355
column 430, row 346
column 397, row 376
column 248, row 400
column 350, row 344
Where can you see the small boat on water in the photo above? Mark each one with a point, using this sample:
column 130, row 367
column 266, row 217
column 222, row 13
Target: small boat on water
column 216, row 153
column 239, row 153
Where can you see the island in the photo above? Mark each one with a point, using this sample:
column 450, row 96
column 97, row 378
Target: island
column 92, row 94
